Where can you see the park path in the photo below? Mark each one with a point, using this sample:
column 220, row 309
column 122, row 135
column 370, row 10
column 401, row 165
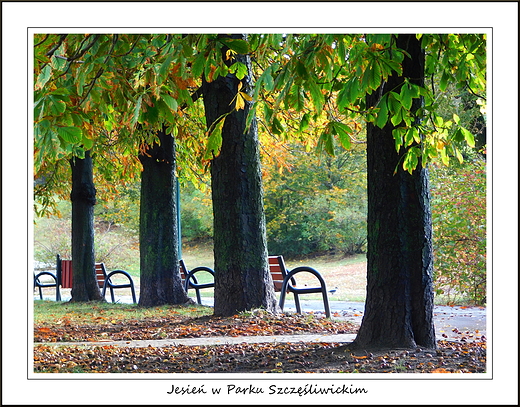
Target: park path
column 451, row 323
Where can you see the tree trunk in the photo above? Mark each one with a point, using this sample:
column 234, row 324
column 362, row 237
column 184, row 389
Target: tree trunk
column 242, row 280
column 158, row 236
column 399, row 303
column 83, row 196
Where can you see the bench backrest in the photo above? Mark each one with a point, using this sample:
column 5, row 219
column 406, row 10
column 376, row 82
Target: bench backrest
column 278, row 271
column 183, row 270
column 101, row 274
column 65, row 272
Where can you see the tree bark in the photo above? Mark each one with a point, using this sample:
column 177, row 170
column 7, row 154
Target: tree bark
column 158, row 235
column 83, row 196
column 242, row 279
column 399, row 302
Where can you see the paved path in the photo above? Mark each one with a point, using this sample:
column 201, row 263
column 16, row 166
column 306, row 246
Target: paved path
column 216, row 340
column 451, row 323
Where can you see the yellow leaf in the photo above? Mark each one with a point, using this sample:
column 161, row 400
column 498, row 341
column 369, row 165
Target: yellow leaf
column 240, row 104
column 246, row 96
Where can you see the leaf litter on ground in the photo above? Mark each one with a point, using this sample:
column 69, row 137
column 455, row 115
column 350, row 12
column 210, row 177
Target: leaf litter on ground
column 298, row 357
column 449, row 357
column 174, row 326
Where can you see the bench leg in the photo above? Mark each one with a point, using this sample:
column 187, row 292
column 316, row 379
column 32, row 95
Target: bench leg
column 133, row 292
column 282, row 300
column 326, row 301
column 297, row 303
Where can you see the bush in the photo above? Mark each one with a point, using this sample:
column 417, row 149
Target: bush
column 459, row 227
column 320, row 205
column 196, row 214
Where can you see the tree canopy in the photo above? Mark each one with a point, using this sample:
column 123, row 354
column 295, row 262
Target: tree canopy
column 109, row 93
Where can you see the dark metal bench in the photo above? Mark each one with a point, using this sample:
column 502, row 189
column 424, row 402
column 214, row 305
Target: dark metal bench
column 40, row 284
column 102, row 276
column 284, row 281
column 190, row 280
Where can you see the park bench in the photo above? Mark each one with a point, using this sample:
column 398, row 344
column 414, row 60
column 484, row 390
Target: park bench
column 105, row 280
column 38, row 282
column 284, row 282
column 190, row 280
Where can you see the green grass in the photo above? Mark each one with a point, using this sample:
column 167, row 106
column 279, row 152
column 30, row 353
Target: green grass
column 51, row 312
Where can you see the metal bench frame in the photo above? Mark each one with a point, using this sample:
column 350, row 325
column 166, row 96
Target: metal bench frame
column 190, row 280
column 40, row 285
column 277, row 264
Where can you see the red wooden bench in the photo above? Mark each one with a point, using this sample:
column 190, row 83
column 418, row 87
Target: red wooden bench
column 284, row 282
column 190, row 280
column 105, row 280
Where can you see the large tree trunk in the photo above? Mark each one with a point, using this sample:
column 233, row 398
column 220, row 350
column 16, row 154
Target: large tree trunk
column 399, row 303
column 242, row 280
column 158, row 236
column 83, row 196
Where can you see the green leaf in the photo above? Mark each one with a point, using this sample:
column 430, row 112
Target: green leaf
column 198, row 65
column 398, row 134
column 57, row 106
column 397, row 117
column 165, row 66
column 406, row 96
column 372, row 76
column 268, row 81
column 301, row 70
column 317, row 96
column 353, row 90
column 408, row 137
column 343, row 131
column 304, row 123
column 389, row 66
column 70, row 135
column 342, row 99
column 171, row 102
column 416, row 136
column 237, row 45
column 382, row 115
column 87, row 143
column 458, row 155
column 43, row 77
column 444, row 82
column 137, row 109
column 410, row 160
column 326, row 141
column 468, row 136
column 444, row 157
column 151, row 115
column 239, row 69
column 214, row 140
column 456, row 118
column 277, row 127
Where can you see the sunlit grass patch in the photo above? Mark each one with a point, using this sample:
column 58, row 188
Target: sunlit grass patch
column 95, row 313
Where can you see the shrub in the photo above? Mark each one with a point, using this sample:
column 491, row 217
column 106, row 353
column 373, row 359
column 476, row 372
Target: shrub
column 320, row 205
column 459, row 226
